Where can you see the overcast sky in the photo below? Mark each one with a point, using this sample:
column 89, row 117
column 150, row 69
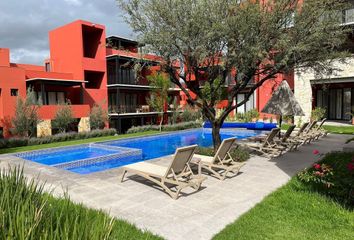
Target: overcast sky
column 25, row 23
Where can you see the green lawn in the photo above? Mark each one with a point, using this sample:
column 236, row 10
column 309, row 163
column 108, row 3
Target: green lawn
column 331, row 129
column 73, row 142
column 340, row 129
column 293, row 212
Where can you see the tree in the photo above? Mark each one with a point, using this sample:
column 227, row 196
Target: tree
column 159, row 94
column 26, row 115
column 98, row 117
column 63, row 117
column 247, row 40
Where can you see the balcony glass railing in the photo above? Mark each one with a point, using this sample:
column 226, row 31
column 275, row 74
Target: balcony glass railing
column 347, row 17
column 124, row 76
column 121, row 109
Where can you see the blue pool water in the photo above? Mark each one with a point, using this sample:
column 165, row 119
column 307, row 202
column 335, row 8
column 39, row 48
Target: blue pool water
column 58, row 157
column 166, row 144
column 89, row 158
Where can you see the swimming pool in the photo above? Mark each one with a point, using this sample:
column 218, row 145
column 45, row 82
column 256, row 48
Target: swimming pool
column 89, row 158
column 85, row 158
column 166, row 144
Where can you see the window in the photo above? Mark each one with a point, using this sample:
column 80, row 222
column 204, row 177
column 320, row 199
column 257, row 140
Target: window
column 249, row 105
column 56, row 98
column 47, row 67
column 14, row 92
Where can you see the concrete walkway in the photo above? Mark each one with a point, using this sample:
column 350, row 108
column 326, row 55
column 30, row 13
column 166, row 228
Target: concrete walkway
column 197, row 215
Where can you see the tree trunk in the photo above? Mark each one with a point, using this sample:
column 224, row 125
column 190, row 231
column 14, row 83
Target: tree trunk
column 161, row 120
column 216, row 135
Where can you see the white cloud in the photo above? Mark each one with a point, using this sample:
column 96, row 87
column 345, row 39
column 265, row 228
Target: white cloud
column 73, row 2
column 25, row 26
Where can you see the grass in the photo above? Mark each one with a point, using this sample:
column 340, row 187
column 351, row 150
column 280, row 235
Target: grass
column 340, row 129
column 293, row 212
column 331, row 129
column 28, row 212
column 73, row 142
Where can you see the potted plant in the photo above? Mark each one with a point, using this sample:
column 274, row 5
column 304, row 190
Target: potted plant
column 318, row 113
column 288, row 119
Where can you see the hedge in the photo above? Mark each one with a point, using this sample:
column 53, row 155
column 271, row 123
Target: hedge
column 61, row 137
column 168, row 127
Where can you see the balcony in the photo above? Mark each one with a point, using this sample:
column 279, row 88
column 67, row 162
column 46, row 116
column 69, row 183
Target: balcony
column 49, row 111
column 125, row 77
column 128, row 109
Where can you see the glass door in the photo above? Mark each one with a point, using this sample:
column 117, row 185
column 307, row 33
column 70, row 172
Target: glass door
column 347, row 103
column 332, row 103
column 339, row 103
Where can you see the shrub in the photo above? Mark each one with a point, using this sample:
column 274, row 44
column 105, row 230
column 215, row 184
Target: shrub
column 98, row 117
column 26, row 115
column 63, row 118
column 247, row 116
column 239, row 154
column 60, row 137
column 168, row 127
column 27, row 212
column 252, row 114
column 190, row 114
column 332, row 176
column 13, row 142
column 318, row 113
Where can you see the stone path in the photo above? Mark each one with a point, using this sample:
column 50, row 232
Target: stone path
column 197, row 215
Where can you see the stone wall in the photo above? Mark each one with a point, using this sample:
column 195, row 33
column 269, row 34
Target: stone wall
column 304, row 78
column 303, row 94
column 44, row 128
column 84, row 124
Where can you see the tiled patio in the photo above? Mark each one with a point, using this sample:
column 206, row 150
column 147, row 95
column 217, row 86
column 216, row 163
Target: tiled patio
column 197, row 215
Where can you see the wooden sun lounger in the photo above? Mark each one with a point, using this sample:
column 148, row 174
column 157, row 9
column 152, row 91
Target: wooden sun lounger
column 287, row 141
column 177, row 176
column 306, row 136
column 267, row 147
column 222, row 163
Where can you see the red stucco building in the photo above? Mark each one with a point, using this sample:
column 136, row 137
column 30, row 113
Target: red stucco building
column 86, row 67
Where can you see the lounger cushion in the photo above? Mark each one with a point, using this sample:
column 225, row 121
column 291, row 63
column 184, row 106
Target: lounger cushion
column 203, row 158
column 149, row 168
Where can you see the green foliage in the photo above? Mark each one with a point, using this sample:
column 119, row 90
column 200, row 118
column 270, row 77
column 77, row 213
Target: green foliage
column 292, row 212
column 18, row 142
column 189, row 114
column 26, row 115
column 169, row 127
column 253, row 113
column 159, row 93
column 333, row 176
column 339, row 129
column 213, row 38
column 98, row 117
column 63, row 118
column 318, row 113
column 27, row 212
column 247, row 116
column 239, row 154
column 175, row 112
column 288, row 118
column 73, row 142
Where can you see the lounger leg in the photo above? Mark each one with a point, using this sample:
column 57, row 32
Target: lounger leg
column 125, row 171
